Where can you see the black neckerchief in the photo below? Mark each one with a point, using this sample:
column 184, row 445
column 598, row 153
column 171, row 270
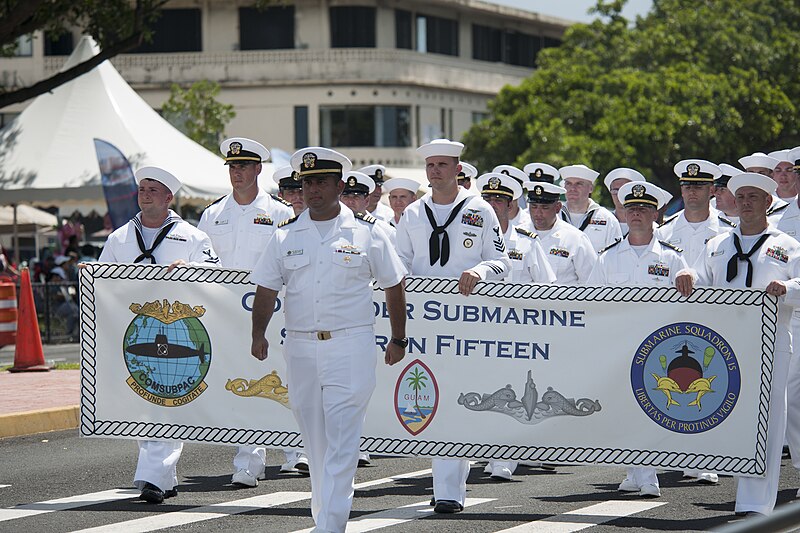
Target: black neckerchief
column 435, row 249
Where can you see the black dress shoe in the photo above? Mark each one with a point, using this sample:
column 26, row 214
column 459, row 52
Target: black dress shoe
column 171, row 492
column 447, row 507
column 433, row 501
column 749, row 513
column 151, row 493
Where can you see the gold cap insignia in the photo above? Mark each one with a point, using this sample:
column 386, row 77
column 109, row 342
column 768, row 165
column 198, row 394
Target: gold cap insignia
column 538, row 172
column 693, row 169
column 351, row 181
column 638, row 191
column 309, row 160
column 494, row 182
column 538, row 190
column 295, row 175
column 379, row 174
column 236, row 148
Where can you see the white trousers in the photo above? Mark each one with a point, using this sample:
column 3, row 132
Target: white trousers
column 250, row 458
column 450, row 479
column 330, row 384
column 760, row 494
column 642, row 475
column 511, row 465
column 793, row 394
column 158, row 461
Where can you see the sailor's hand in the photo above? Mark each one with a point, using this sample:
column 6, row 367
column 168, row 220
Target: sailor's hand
column 776, row 288
column 260, row 348
column 467, row 282
column 394, row 354
column 684, row 282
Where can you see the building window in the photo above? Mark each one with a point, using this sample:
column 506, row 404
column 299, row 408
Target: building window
column 402, row 30
column 521, row 49
column 487, row 43
column 479, row 116
column 24, row 46
column 365, row 126
column 58, row 46
column 437, row 35
column 510, row 47
column 266, row 29
column 175, row 30
column 352, row 27
column 300, row 126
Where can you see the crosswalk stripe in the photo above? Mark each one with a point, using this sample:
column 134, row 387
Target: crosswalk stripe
column 63, row 504
column 200, row 514
column 393, row 517
column 593, row 515
column 4, row 486
column 367, row 484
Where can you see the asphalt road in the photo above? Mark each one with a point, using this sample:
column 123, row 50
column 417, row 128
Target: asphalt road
column 37, row 469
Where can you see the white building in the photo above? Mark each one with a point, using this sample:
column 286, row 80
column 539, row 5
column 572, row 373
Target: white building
column 372, row 78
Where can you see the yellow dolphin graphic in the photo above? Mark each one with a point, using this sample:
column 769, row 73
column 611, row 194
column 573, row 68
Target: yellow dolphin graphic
column 701, row 386
column 667, row 386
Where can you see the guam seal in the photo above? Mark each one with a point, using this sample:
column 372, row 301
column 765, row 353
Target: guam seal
column 168, row 352
column 416, row 397
column 686, row 378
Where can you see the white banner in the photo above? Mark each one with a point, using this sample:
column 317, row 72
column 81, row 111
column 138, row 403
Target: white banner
column 561, row 374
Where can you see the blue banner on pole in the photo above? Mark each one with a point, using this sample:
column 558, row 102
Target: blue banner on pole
column 119, row 186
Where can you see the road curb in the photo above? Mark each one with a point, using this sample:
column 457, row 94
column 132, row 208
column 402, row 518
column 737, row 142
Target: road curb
column 41, row 421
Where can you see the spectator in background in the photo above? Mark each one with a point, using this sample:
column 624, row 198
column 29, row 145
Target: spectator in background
column 88, row 253
column 71, row 228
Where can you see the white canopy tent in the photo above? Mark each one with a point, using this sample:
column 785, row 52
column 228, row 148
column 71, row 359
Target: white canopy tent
column 47, row 154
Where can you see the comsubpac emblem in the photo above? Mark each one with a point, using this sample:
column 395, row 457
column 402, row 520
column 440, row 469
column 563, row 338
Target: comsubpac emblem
column 686, row 378
column 168, row 352
column 416, row 397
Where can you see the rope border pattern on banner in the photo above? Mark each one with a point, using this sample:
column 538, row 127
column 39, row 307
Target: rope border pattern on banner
column 605, row 456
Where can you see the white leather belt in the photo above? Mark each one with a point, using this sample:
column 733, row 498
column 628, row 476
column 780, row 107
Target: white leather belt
column 326, row 335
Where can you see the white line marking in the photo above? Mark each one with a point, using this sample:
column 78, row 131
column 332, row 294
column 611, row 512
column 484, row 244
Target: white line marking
column 200, row 514
column 393, row 517
column 367, row 484
column 599, row 513
column 4, row 486
column 70, row 502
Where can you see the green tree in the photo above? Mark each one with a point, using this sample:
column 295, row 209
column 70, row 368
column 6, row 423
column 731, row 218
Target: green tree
column 196, row 112
column 703, row 78
column 417, row 382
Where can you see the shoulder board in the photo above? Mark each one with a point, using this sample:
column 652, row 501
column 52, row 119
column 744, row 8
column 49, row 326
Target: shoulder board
column 523, row 231
column 280, row 200
column 673, row 247
column 668, row 220
column 366, row 218
column 777, row 209
column 218, row 200
column 610, row 246
column 726, row 221
column 287, row 222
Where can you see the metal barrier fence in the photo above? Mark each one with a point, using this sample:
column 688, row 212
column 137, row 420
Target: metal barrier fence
column 57, row 310
column 785, row 518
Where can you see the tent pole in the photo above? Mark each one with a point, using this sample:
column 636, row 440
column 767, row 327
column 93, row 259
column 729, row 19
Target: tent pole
column 15, row 239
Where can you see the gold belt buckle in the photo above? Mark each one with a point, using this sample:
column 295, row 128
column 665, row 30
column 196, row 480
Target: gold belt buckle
column 323, row 335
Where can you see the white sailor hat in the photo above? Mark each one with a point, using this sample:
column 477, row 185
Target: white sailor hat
column 316, row 160
column 752, row 179
column 758, row 160
column 376, row 172
column 160, row 175
column 356, row 182
column 498, row 183
column 622, row 173
column 696, row 171
column 578, row 171
column 287, row 178
column 467, row 171
column 643, row 193
column 441, row 147
column 512, row 171
column 541, row 172
column 543, row 192
column 794, row 157
column 243, row 150
column 781, row 155
column 400, row 183
column 728, row 171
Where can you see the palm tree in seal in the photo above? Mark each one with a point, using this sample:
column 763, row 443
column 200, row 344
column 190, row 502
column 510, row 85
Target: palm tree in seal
column 417, row 382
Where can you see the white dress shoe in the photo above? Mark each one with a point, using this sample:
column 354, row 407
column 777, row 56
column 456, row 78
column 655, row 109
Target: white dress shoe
column 501, row 472
column 650, row 491
column 244, row 478
column 628, row 485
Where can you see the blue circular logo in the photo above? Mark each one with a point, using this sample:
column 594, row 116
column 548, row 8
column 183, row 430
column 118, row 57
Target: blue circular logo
column 685, row 377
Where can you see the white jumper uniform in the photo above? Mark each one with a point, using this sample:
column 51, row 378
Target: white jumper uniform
column 383, row 212
column 598, row 223
column 158, row 460
column 327, row 268
column 476, row 243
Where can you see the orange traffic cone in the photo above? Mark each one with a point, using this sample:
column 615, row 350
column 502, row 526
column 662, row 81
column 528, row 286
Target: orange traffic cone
column 28, row 356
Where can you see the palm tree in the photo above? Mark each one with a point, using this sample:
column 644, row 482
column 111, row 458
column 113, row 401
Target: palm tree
column 417, row 382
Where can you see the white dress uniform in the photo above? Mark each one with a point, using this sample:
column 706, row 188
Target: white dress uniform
column 528, row 260
column 778, row 258
column 239, row 234
column 678, row 231
column 383, row 212
column 330, row 346
column 569, row 251
column 158, row 459
column 522, row 220
column 476, row 243
column 599, row 224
